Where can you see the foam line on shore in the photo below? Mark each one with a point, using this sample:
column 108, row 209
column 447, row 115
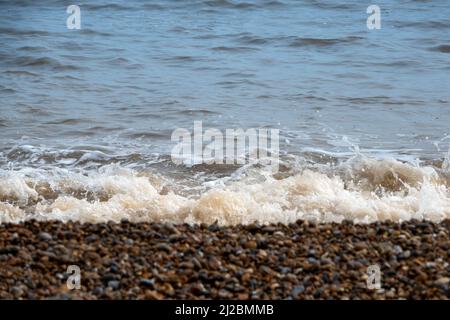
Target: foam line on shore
column 362, row 190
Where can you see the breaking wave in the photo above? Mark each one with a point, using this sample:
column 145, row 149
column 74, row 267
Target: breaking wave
column 361, row 189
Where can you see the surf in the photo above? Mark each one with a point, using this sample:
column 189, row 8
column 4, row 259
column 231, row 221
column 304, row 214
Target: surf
column 360, row 189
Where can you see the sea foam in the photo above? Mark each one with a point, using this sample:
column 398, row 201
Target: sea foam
column 361, row 189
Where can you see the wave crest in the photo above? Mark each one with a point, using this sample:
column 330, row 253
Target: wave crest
column 363, row 190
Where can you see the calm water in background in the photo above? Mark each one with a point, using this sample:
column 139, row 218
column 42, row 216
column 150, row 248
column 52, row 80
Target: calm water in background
column 114, row 91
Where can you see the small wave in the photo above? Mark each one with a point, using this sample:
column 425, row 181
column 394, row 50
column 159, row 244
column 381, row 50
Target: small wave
column 273, row 3
column 179, row 29
column 31, row 156
column 362, row 189
column 234, row 49
column 68, row 67
column 33, row 49
column 238, row 83
column 66, row 122
column 207, row 36
column 384, row 100
column 239, row 75
column 253, row 40
column 36, row 111
column 400, row 63
column 442, row 48
column 430, row 25
column 21, row 73
column 71, row 45
column 102, row 7
column 322, row 42
column 41, row 62
column 67, row 77
column 92, row 32
column 27, row 61
column 183, row 59
column 7, row 90
column 24, row 33
column 149, row 135
column 197, row 112
column 229, row 4
column 119, row 61
column 152, row 6
column 331, row 6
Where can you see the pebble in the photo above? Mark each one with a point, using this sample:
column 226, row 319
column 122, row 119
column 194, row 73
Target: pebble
column 44, row 236
column 251, row 244
column 163, row 247
column 444, row 281
column 17, row 292
column 298, row 290
column 150, row 283
column 9, row 250
column 114, row 284
column 302, row 260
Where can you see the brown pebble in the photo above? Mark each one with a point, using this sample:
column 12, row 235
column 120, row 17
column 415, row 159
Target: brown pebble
column 251, row 244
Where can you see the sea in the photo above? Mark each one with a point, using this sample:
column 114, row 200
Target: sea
column 87, row 115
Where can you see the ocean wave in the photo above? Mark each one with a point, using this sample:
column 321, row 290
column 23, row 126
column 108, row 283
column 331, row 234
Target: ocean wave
column 229, row 4
column 233, row 49
column 109, row 6
column 23, row 33
column 44, row 62
column 442, row 48
column 361, row 189
column 323, row 42
column 20, row 73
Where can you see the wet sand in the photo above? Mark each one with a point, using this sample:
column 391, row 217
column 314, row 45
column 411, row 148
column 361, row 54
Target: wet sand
column 163, row 261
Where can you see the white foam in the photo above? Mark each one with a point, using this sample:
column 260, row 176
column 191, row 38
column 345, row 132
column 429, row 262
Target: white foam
column 11, row 214
column 363, row 190
column 15, row 187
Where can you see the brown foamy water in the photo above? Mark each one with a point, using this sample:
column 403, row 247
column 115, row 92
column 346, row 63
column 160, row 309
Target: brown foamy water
column 359, row 189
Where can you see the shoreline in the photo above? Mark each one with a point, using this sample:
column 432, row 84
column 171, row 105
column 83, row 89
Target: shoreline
column 164, row 261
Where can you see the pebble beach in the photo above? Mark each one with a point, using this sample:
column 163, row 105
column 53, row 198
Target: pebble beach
column 224, row 149
column 164, row 261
